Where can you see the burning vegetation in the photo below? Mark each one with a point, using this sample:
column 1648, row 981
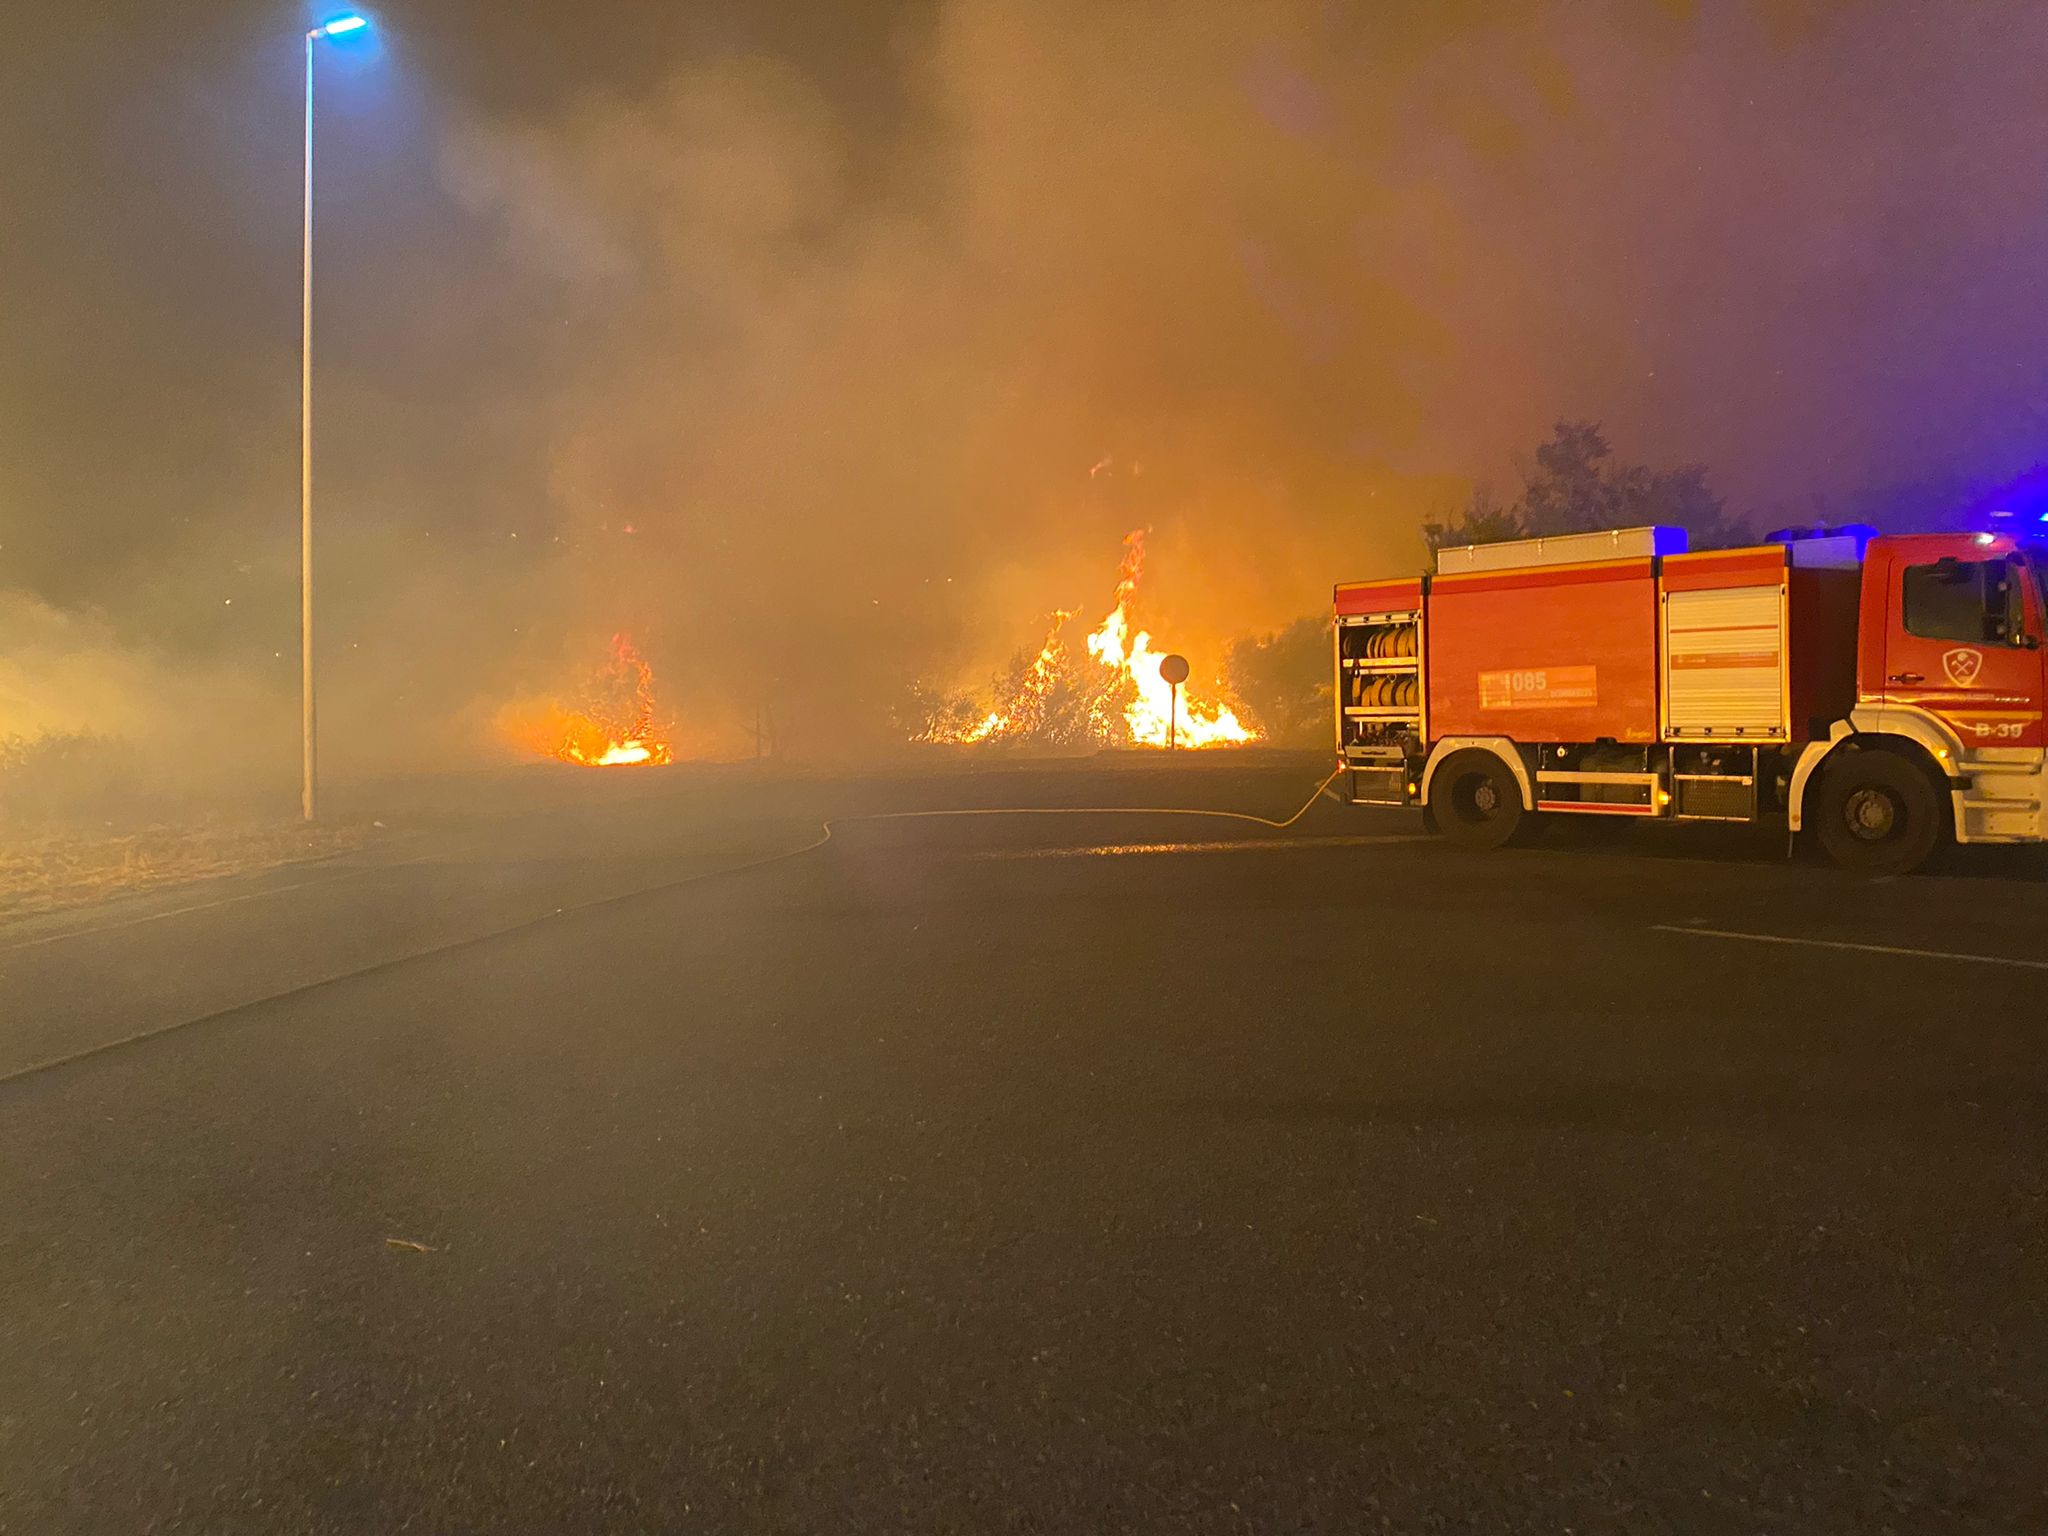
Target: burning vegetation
column 612, row 723
column 1108, row 692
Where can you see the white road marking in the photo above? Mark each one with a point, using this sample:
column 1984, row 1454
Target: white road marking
column 1867, row 949
column 1226, row 845
column 197, row 906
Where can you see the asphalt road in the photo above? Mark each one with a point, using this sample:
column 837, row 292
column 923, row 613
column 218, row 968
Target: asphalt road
column 1069, row 1173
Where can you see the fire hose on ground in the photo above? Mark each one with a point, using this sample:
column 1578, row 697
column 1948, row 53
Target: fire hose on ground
column 1078, row 810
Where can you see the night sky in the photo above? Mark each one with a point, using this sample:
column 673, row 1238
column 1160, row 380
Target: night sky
column 836, row 306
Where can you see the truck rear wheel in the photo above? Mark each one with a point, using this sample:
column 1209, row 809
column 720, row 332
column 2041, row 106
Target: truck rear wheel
column 1474, row 801
column 1878, row 813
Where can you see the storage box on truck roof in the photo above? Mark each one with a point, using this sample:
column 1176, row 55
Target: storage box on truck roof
column 1561, row 549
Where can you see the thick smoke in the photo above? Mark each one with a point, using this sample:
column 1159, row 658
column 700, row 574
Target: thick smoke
column 870, row 415
column 97, row 729
column 1276, row 280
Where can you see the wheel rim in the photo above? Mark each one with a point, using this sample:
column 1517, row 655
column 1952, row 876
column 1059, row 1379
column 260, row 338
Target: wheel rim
column 1476, row 798
column 1872, row 814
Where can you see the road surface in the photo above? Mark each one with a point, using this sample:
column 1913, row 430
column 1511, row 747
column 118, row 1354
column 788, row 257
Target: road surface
column 1032, row 1173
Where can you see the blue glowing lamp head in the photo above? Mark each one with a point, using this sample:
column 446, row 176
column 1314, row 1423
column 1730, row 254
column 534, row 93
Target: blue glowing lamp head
column 342, row 25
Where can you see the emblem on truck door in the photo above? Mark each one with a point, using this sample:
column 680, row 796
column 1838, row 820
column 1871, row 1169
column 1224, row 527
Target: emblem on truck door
column 1962, row 665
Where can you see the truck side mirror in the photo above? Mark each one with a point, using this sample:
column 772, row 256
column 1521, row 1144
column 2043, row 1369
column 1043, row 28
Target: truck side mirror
column 2015, row 618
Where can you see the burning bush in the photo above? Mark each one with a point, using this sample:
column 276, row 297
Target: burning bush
column 612, row 721
column 1106, row 693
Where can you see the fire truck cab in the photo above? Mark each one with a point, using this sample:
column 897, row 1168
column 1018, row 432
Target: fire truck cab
column 1883, row 695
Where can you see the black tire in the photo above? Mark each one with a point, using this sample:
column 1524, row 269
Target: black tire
column 1879, row 813
column 1475, row 802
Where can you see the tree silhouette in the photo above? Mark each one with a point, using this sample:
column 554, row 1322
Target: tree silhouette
column 1572, row 485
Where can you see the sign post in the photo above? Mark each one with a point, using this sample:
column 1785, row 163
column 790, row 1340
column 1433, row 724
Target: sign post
column 1174, row 669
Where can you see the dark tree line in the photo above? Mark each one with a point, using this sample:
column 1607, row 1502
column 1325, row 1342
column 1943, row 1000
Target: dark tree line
column 1573, row 484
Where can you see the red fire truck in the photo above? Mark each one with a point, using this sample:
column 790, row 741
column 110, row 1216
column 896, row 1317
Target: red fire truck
column 1884, row 694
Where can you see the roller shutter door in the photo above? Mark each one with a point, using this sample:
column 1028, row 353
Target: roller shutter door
column 1724, row 663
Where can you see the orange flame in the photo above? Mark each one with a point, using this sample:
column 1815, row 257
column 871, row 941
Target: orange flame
column 615, row 725
column 1126, row 699
column 1026, row 709
column 1151, row 716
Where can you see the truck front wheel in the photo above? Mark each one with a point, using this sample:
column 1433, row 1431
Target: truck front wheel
column 1474, row 801
column 1878, row 813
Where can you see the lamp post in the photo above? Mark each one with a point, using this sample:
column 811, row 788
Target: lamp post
column 338, row 27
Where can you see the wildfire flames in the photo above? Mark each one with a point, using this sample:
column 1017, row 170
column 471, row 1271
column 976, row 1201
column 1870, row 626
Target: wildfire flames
column 613, row 724
column 1058, row 697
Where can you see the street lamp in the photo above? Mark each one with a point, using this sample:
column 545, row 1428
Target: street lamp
column 340, row 26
